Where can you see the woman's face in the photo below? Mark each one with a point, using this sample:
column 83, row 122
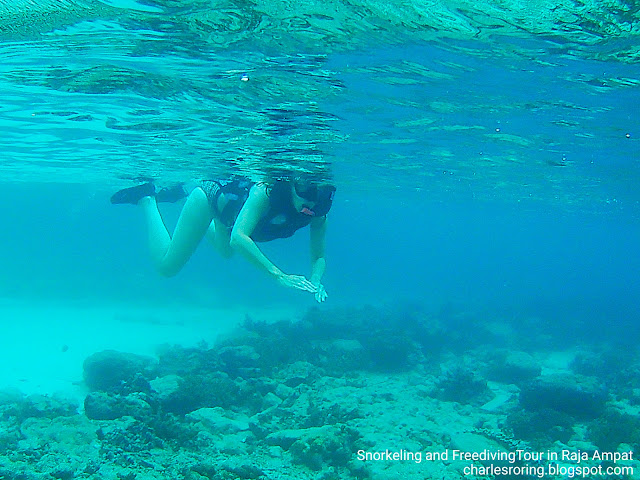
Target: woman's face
column 302, row 204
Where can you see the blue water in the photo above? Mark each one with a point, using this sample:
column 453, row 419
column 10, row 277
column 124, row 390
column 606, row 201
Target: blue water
column 69, row 243
column 423, row 212
column 487, row 165
column 496, row 173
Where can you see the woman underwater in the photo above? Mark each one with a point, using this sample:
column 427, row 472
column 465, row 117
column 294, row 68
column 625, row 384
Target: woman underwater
column 236, row 215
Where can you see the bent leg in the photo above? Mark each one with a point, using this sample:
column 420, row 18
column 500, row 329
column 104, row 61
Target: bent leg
column 170, row 254
column 220, row 236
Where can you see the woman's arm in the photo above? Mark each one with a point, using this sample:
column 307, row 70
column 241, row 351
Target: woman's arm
column 252, row 211
column 318, row 263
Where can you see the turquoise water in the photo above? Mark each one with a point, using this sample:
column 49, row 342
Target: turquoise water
column 487, row 167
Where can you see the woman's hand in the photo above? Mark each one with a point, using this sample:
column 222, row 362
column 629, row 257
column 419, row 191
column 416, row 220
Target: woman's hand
column 301, row 283
column 297, row 281
column 321, row 293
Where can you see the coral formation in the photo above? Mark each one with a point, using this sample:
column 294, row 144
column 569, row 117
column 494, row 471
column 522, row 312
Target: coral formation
column 464, row 386
column 540, row 428
column 299, row 399
column 614, row 428
column 575, row 395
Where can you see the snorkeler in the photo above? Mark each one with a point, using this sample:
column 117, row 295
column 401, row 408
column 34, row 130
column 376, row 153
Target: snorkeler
column 234, row 215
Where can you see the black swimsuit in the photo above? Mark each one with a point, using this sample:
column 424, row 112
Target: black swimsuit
column 227, row 198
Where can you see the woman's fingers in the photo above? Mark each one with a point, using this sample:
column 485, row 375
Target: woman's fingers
column 301, row 283
column 298, row 281
column 321, row 294
column 308, row 286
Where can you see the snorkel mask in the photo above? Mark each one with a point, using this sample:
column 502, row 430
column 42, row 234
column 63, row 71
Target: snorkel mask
column 307, row 192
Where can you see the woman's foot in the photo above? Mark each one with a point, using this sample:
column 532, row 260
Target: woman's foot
column 133, row 195
column 171, row 194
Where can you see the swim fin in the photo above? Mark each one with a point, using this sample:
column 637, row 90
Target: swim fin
column 171, row 194
column 133, row 195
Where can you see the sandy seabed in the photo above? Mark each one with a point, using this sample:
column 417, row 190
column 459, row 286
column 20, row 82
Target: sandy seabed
column 43, row 345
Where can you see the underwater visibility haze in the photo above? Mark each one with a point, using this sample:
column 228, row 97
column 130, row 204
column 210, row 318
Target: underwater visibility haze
column 482, row 247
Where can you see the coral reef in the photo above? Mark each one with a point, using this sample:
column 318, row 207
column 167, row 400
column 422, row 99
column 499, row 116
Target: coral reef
column 118, row 372
column 575, row 395
column 464, row 386
column 510, row 366
column 617, row 368
column 299, row 399
column 614, row 428
column 541, row 428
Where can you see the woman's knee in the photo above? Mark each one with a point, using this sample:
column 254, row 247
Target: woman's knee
column 198, row 195
column 169, row 271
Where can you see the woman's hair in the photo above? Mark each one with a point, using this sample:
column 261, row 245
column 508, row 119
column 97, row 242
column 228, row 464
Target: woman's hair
column 279, row 192
column 321, row 194
column 303, row 188
column 306, row 190
column 277, row 187
column 309, row 189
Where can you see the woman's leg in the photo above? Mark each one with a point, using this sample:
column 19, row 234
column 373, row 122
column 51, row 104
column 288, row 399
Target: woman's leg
column 220, row 236
column 170, row 254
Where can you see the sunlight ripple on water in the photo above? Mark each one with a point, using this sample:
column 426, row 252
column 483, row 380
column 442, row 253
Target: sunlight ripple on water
column 533, row 100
